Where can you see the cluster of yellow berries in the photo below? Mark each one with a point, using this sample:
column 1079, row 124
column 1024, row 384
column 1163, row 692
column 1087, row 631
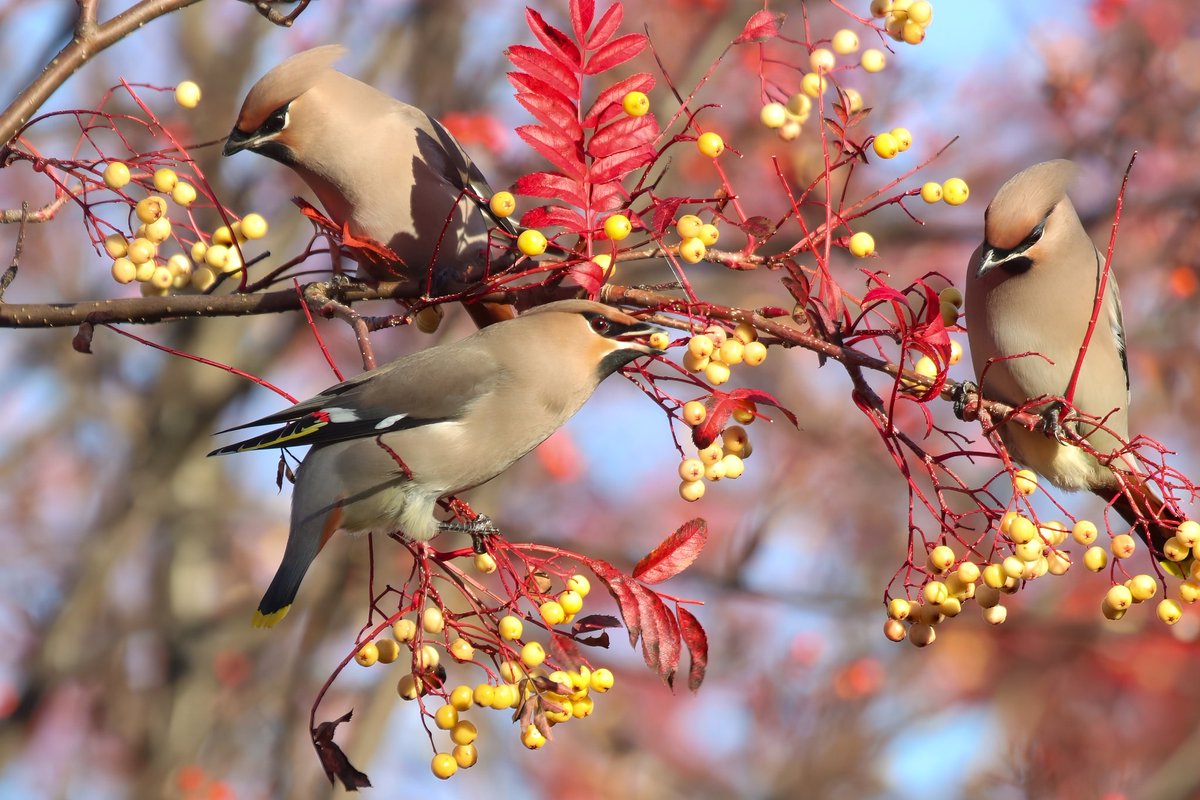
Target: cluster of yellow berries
column 695, row 237
column 954, row 191
column 891, row 143
column 1035, row 552
column 950, row 302
column 561, row 695
column 904, row 20
column 715, row 351
column 721, row 459
column 137, row 258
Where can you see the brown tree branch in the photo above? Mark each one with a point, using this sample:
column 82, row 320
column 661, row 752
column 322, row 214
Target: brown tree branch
column 89, row 40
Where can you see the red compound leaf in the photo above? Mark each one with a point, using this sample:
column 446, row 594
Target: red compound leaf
column 721, row 406
column 761, row 26
column 697, row 644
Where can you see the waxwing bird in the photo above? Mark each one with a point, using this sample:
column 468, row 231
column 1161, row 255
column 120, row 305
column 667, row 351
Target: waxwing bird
column 384, row 169
column 389, row 443
column 1030, row 291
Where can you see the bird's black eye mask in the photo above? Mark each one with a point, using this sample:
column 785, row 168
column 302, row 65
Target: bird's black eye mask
column 1014, row 260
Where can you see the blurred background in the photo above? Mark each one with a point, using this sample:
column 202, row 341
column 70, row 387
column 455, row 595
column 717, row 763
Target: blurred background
column 130, row 564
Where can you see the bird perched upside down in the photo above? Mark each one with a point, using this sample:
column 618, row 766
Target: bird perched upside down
column 385, row 170
column 389, row 443
column 1030, row 292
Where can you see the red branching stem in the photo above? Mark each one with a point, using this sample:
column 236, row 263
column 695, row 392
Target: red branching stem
column 1102, row 284
column 312, row 326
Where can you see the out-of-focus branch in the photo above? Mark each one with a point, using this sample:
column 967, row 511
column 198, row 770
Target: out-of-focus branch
column 89, row 40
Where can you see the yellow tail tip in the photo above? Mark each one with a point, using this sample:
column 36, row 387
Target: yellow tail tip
column 262, row 620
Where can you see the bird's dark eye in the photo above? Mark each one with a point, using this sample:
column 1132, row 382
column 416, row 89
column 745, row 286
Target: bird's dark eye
column 600, row 324
column 276, row 122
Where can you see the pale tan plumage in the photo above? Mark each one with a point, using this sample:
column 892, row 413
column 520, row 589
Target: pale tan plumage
column 456, row 415
column 387, row 170
column 1031, row 287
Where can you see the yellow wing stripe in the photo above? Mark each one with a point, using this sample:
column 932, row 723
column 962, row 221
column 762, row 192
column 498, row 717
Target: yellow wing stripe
column 285, row 436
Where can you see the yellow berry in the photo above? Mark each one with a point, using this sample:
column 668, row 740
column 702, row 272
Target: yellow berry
column 813, row 85
column 659, row 341
column 1176, row 550
column 773, row 115
column 141, row 251
column 1084, row 532
column 1119, row 597
column 994, row 576
column 736, row 440
column 187, row 94
column 484, row 694
column 1169, row 611
column 716, row 372
column 116, row 175
column 462, row 650
column 503, row 204
column 845, row 42
column 533, row 654
column 462, row 698
column 446, row 717
column 880, row 8
column 701, row 346
column 444, row 765
column 571, row 601
column 150, row 208
column 711, row 144
column 1142, row 587
column 124, row 270
column 955, row 191
column 895, row 630
column 790, row 131
column 731, row 351
column 427, row 657
column 184, row 194
column 898, row 608
column 145, row 271
column 116, row 245
column 862, row 244
column 1188, row 532
column 253, row 226
column 504, row 696
column 465, row 755
column 691, row 490
column 203, row 279
column 485, row 563
column 158, row 231
column 1095, row 558
column 1189, row 590
column 694, row 363
column 1022, row 530
column 1030, row 551
column 510, row 627
column 1123, row 545
column 579, row 584
column 755, row 353
column 463, row 731
column 1013, row 566
column 165, row 179
column 532, row 738
column 604, row 261
column 711, row 454
column 552, row 613
column 941, row 558
column 926, row 367
column 692, row 250
column 601, row 680
column 886, row 145
column 873, row 60
column 636, row 104
column 688, row 226
column 367, row 655
column 617, row 227
column 822, row 60
column 715, row 472
column 709, row 234
column 734, row 466
column 921, row 12
column 935, row 592
column 1025, row 482
column 903, row 138
column 931, row 192
column 922, row 634
column 912, row 33
column 694, row 411
column 799, row 106
column 531, row 243
column 995, row 615
column 405, row 630
column 956, row 352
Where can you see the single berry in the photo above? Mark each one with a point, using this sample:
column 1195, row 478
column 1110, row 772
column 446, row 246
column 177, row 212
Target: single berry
column 711, row 144
column 636, row 104
column 503, row 204
column 531, row 243
column 187, row 94
column 617, row 227
column 955, row 191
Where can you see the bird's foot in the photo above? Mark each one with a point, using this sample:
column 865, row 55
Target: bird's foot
column 962, row 394
column 1051, row 423
column 478, row 529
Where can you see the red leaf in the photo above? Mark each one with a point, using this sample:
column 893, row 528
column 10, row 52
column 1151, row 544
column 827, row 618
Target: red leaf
column 540, row 64
column 607, row 196
column 552, row 186
column 620, row 165
column 761, row 26
column 557, row 43
column 333, row 760
column 552, row 114
column 661, row 647
column 558, row 150
column 588, row 275
column 624, row 134
column 638, row 82
column 546, row 216
column 523, row 82
column 674, row 554
column 664, row 213
column 721, row 405
column 582, row 12
column 606, row 27
column 615, row 53
column 697, row 644
column 619, row 587
column 759, row 227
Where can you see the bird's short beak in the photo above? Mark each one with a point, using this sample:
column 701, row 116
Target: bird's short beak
column 238, row 142
column 640, row 335
column 987, row 262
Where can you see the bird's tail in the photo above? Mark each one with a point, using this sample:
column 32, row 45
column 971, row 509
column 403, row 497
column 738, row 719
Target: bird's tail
column 306, row 538
column 1137, row 503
